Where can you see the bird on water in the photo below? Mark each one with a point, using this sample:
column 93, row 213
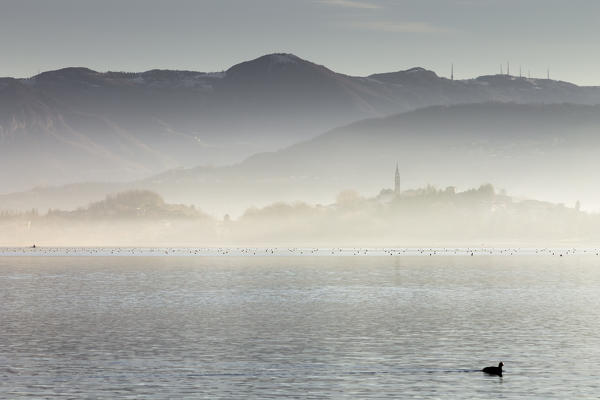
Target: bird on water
column 494, row 370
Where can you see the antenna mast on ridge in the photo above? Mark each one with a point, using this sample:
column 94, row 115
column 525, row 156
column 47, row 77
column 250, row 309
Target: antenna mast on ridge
column 452, row 72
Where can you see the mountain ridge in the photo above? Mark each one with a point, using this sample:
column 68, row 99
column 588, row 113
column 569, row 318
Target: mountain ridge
column 76, row 124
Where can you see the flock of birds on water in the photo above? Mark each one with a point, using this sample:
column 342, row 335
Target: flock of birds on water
column 248, row 251
column 285, row 251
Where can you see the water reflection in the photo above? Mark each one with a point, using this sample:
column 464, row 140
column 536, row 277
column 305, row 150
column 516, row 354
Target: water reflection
column 288, row 327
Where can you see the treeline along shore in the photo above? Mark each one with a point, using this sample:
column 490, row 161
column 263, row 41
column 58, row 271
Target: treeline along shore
column 424, row 216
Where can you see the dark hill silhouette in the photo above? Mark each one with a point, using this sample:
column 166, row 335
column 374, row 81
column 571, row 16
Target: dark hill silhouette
column 76, row 124
column 132, row 204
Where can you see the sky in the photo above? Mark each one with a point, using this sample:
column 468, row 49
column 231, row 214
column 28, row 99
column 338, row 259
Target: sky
column 356, row 37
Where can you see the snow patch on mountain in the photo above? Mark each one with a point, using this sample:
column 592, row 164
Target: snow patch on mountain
column 283, row 58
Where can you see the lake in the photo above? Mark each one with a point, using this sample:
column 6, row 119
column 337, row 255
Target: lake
column 299, row 327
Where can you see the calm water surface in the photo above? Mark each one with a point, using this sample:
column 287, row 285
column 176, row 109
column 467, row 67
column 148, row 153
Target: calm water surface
column 293, row 327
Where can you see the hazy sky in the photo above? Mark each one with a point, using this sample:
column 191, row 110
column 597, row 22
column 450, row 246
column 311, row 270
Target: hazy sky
column 357, row 37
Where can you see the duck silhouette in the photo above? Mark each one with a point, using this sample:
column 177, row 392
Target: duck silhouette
column 494, row 370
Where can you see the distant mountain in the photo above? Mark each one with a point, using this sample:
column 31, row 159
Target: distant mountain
column 542, row 151
column 76, row 124
column 547, row 152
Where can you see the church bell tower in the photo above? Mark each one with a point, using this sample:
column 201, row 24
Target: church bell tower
column 397, row 181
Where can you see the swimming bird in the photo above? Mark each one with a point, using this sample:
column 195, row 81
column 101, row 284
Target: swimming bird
column 494, row 370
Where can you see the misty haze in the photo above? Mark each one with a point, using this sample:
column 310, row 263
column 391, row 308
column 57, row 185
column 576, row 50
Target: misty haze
column 299, row 199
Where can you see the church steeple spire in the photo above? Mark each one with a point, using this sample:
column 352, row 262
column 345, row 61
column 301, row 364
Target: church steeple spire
column 397, row 181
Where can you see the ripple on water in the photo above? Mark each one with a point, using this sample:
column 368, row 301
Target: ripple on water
column 367, row 327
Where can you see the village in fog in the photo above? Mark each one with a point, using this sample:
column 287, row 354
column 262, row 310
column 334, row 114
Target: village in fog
column 481, row 216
